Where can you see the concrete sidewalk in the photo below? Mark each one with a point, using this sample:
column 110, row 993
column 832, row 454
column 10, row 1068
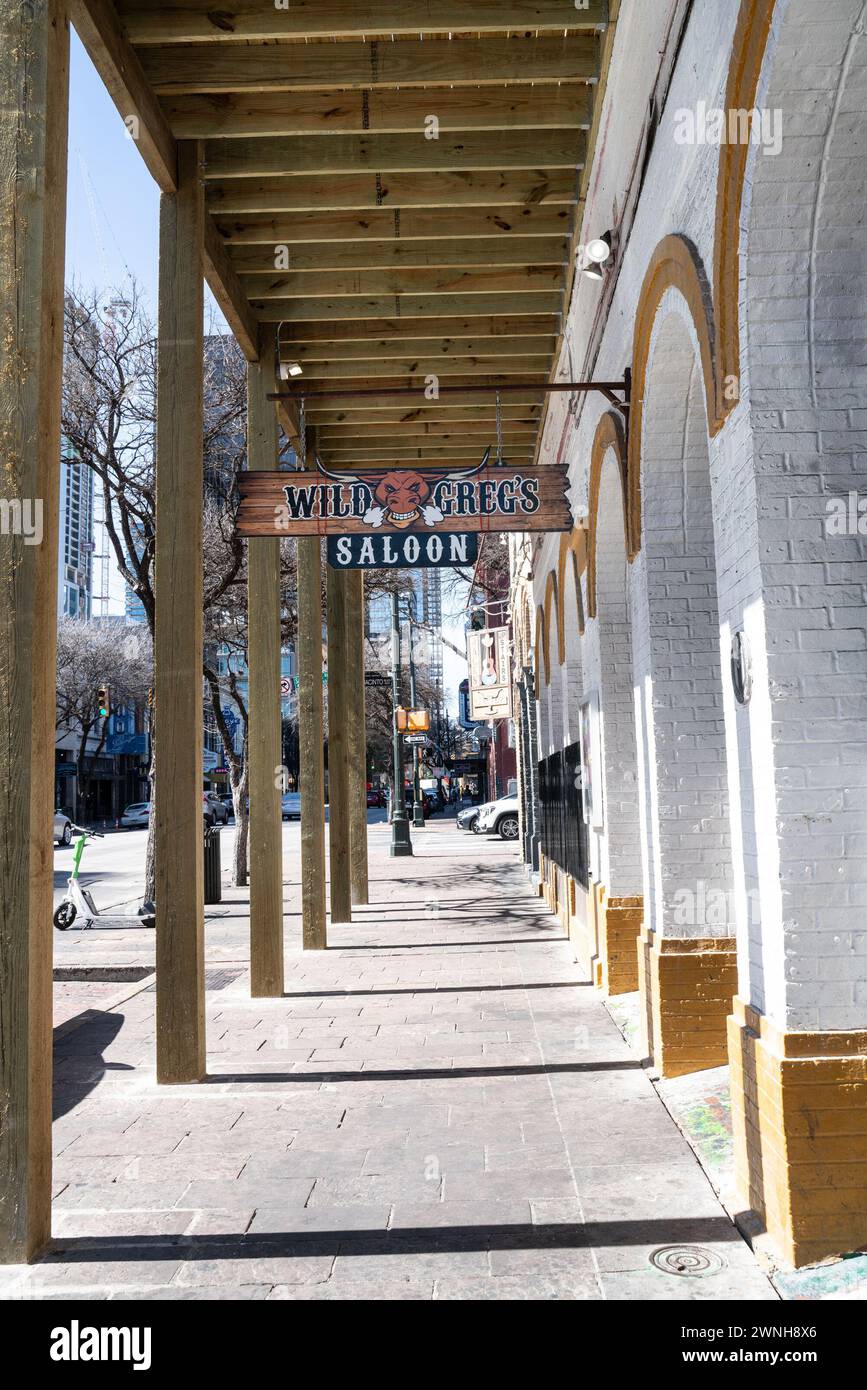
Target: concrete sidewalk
column 439, row 1107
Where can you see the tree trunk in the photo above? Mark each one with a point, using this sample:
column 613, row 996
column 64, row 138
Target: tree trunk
column 239, row 781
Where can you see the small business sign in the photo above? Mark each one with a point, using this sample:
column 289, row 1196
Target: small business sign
column 406, row 551
column 490, row 673
column 381, row 501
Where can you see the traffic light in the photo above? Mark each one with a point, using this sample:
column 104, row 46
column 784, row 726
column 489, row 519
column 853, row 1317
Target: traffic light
column 102, row 701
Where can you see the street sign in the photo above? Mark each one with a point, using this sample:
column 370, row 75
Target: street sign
column 285, row 685
column 415, row 740
column 375, row 681
column 398, row 501
column 409, row 550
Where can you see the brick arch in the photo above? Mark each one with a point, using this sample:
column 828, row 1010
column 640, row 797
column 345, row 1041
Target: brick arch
column 541, row 649
column 552, row 610
column 610, row 434
column 745, row 70
column 674, row 264
column 573, row 546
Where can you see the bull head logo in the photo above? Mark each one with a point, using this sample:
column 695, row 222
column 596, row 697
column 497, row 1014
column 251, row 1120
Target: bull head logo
column 402, row 496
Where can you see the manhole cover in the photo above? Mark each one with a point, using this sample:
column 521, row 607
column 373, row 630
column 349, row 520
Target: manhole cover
column 688, row 1260
column 219, row 979
column 99, row 974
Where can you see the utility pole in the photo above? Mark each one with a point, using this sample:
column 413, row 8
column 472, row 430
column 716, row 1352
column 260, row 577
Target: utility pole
column 401, row 843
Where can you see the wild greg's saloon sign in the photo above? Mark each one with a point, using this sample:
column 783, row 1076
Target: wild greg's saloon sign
column 330, row 502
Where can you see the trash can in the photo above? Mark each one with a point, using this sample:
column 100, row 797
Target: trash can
column 213, row 881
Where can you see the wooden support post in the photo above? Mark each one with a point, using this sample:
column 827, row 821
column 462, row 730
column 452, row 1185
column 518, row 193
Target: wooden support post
column 263, row 655
column 339, row 716
column 179, row 847
column 357, row 742
column 310, row 734
column 34, row 85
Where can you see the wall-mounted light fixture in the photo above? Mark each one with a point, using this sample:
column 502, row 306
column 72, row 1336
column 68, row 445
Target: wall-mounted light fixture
column 598, row 254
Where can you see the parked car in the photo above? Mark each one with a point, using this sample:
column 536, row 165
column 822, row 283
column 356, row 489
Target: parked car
column 137, row 816
column 500, row 818
column 467, row 819
column 426, row 806
column 290, row 805
column 62, row 828
column 375, row 797
column 215, row 812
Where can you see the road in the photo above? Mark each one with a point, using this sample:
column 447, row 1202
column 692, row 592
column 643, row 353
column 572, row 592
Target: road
column 113, row 868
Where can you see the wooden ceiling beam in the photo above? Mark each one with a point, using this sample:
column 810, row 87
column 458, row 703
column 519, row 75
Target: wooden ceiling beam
column 205, row 116
column 226, row 289
column 322, row 372
column 402, row 255
column 389, row 397
column 327, row 308
column 460, row 458
column 443, row 350
column 506, row 190
column 444, row 280
column 480, row 413
column 387, row 225
column 197, row 21
column 97, row 25
column 357, row 436
column 277, row 156
column 284, row 67
column 396, row 329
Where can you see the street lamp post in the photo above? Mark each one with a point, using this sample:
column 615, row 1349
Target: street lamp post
column 401, row 843
column 417, row 808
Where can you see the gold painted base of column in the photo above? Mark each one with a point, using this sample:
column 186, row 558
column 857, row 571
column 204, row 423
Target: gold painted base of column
column 619, row 923
column 686, row 985
column 800, row 1134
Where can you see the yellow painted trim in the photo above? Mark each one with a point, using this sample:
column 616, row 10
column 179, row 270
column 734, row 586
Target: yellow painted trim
column 748, row 53
column 609, row 435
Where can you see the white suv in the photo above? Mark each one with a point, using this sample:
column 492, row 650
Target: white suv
column 500, row 818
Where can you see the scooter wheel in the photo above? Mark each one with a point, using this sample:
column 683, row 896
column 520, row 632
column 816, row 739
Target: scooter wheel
column 64, row 916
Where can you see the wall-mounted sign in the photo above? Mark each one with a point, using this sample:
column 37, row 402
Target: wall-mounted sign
column 382, row 501
column 402, row 551
column 490, row 673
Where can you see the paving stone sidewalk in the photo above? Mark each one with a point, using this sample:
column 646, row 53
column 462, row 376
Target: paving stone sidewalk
column 439, row 1107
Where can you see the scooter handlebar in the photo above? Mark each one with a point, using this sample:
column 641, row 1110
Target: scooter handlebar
column 82, row 830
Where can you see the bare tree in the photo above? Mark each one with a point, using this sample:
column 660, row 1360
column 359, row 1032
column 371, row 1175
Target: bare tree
column 93, row 656
column 109, row 419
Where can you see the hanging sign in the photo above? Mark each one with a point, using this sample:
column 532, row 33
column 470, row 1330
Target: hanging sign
column 382, row 501
column 402, row 551
column 490, row 673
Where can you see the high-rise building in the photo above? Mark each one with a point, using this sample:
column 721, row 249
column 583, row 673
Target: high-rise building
column 75, row 540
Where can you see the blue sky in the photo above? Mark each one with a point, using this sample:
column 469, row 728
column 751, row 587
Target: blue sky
column 112, row 219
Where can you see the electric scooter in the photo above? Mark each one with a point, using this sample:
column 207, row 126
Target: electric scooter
column 78, row 901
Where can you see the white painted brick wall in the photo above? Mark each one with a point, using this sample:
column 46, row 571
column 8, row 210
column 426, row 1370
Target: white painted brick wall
column 795, row 766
